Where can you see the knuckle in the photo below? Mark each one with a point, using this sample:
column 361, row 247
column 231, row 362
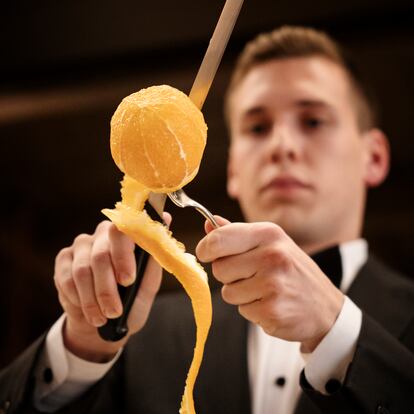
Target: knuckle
column 271, row 254
column 110, row 228
column 272, row 286
column 65, row 252
column 58, row 284
column 247, row 313
column 269, row 231
column 270, row 319
column 106, row 229
column 81, row 239
column 99, row 256
column 274, row 255
column 81, row 272
column 214, row 241
column 243, row 311
column 62, row 276
column 103, row 225
column 68, row 285
column 90, row 308
column 227, row 293
column 105, row 297
column 124, row 263
column 217, row 269
column 274, row 313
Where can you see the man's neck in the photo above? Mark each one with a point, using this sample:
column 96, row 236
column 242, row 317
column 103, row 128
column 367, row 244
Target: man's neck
column 315, row 247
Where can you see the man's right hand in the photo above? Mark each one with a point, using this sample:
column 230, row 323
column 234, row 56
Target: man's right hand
column 86, row 277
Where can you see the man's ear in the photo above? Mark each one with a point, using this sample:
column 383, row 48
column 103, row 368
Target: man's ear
column 377, row 161
column 232, row 179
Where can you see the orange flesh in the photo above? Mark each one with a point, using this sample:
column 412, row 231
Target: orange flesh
column 157, row 137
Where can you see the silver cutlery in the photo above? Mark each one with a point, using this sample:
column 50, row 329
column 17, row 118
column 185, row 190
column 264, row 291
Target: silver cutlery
column 181, row 199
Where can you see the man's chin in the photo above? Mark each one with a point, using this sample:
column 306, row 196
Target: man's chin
column 290, row 218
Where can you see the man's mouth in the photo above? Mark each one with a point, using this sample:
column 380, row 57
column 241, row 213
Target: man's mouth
column 286, row 184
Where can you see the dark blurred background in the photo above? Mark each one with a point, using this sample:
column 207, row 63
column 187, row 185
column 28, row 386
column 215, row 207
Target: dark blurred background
column 65, row 66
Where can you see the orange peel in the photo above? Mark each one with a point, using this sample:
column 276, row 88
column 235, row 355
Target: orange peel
column 129, row 215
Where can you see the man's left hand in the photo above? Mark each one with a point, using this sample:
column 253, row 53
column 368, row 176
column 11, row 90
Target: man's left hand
column 273, row 282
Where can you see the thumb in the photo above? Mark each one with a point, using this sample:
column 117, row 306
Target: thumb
column 167, row 218
column 221, row 221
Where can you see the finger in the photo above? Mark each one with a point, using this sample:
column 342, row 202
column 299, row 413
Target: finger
column 63, row 276
column 221, row 221
column 264, row 258
column 167, row 218
column 264, row 313
column 240, row 266
column 83, row 278
column 122, row 255
column 73, row 312
column 253, row 311
column 242, row 292
column 236, row 238
column 106, row 289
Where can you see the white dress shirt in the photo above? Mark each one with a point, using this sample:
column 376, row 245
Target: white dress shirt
column 274, row 364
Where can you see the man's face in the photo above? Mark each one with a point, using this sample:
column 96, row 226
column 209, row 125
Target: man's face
column 297, row 156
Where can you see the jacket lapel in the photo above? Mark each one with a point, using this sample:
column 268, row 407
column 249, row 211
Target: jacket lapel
column 379, row 292
column 375, row 290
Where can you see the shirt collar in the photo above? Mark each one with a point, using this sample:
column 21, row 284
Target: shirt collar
column 354, row 254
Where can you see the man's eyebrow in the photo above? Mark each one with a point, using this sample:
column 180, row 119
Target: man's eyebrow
column 313, row 103
column 301, row 103
column 254, row 111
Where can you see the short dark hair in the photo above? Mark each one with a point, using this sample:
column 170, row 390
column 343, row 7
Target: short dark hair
column 290, row 42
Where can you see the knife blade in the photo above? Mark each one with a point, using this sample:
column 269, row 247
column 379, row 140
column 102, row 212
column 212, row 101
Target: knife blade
column 116, row 328
column 156, row 201
column 214, row 52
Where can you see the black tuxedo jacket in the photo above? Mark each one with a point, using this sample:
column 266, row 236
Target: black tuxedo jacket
column 150, row 375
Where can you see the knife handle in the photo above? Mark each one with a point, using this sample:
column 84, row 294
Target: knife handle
column 115, row 329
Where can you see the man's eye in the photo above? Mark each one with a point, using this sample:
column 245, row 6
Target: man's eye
column 313, row 122
column 258, row 129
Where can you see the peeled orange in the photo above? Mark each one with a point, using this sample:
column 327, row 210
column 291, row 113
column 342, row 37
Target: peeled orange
column 157, row 140
column 158, row 137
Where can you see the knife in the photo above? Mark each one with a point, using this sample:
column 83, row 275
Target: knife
column 115, row 329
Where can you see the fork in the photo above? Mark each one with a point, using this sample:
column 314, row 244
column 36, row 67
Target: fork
column 181, row 199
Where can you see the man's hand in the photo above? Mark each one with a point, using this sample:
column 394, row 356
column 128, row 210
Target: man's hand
column 272, row 281
column 86, row 277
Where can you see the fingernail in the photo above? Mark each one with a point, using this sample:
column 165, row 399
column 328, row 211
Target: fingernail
column 112, row 312
column 126, row 280
column 97, row 321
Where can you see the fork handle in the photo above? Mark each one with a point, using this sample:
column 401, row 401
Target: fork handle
column 116, row 329
column 206, row 213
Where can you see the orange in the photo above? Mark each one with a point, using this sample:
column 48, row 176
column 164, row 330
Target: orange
column 158, row 137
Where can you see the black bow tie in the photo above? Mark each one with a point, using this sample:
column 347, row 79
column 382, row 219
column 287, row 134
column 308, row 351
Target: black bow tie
column 330, row 262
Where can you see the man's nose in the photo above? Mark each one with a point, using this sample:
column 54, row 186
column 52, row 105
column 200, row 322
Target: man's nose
column 283, row 146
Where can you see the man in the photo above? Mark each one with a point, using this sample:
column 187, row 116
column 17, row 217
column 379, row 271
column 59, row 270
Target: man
column 302, row 299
